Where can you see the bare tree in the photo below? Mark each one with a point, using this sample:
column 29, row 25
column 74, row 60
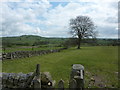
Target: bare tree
column 82, row 27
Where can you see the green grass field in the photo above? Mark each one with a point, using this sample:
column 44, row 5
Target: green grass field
column 99, row 61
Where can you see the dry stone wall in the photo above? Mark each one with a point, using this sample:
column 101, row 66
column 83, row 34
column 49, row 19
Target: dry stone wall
column 19, row 80
column 13, row 80
column 24, row 54
column 42, row 80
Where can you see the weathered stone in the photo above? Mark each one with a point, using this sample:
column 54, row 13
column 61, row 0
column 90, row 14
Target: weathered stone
column 37, row 79
column 46, row 80
column 4, row 79
column 10, row 80
column 73, row 84
column 77, row 73
column 22, row 80
column 61, row 84
column 16, row 78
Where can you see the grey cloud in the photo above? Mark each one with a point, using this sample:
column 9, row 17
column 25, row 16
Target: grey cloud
column 114, row 5
column 107, row 32
column 112, row 20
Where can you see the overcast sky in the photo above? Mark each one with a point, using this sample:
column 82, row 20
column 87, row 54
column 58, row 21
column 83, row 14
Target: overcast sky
column 50, row 18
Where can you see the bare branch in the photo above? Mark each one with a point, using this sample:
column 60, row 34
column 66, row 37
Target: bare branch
column 82, row 27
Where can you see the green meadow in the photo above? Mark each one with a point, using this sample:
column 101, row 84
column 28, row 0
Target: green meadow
column 99, row 61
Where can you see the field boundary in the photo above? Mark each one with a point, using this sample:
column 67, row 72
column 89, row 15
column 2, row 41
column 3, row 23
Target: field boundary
column 24, row 54
column 44, row 80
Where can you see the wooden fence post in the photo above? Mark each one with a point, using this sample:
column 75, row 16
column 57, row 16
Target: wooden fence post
column 61, row 85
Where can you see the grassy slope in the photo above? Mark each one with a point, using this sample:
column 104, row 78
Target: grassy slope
column 102, row 61
column 30, row 39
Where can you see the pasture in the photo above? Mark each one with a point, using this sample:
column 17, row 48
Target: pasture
column 100, row 62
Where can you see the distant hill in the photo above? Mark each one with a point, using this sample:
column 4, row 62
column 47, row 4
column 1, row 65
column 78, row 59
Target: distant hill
column 33, row 40
column 29, row 40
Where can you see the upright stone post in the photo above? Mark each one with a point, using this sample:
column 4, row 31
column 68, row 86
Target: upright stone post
column 37, row 79
column 29, row 80
column 61, row 85
column 77, row 73
column 4, row 49
column 73, row 84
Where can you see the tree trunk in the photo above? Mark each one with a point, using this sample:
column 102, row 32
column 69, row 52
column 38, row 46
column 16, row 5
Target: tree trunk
column 79, row 43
